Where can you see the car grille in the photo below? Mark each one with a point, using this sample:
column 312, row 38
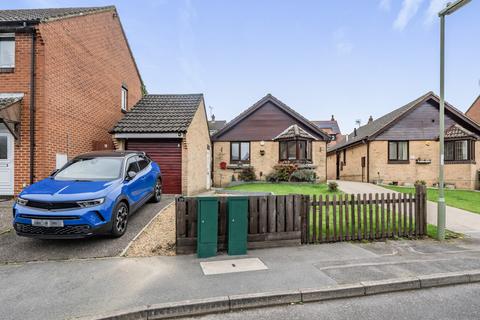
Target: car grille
column 43, row 217
column 66, row 230
column 52, row 205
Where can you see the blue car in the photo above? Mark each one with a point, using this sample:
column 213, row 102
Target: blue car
column 95, row 193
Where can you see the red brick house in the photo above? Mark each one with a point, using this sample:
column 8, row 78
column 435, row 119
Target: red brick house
column 66, row 76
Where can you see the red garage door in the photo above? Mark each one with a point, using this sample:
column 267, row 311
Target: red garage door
column 168, row 155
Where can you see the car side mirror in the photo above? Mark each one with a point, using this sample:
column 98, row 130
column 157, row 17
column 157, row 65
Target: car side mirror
column 53, row 172
column 131, row 175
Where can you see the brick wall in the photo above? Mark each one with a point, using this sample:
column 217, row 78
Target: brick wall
column 87, row 61
column 18, row 81
column 194, row 154
column 81, row 65
column 474, row 111
column 352, row 168
column 332, row 166
column 263, row 165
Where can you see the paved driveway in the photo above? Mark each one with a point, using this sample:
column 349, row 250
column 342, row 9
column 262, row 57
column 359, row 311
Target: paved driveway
column 458, row 220
column 18, row 249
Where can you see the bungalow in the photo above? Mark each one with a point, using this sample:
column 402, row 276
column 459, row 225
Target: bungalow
column 331, row 128
column 66, row 77
column 401, row 147
column 172, row 129
column 267, row 134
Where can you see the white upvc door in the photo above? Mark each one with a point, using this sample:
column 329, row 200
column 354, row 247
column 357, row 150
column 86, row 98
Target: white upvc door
column 6, row 164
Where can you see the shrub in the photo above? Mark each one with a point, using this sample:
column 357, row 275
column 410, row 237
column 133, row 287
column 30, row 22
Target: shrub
column 332, row 186
column 421, row 182
column 247, row 174
column 304, row 175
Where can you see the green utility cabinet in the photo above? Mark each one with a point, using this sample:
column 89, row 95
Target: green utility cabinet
column 237, row 228
column 207, row 227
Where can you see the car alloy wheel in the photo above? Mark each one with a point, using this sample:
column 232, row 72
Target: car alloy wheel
column 121, row 219
column 157, row 193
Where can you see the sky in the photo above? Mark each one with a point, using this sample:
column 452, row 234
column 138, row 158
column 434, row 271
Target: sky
column 349, row 58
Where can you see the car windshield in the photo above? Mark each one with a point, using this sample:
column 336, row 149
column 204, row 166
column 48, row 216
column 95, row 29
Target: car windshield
column 101, row 168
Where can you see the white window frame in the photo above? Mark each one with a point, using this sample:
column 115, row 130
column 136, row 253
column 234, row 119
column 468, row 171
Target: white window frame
column 124, row 98
column 9, row 35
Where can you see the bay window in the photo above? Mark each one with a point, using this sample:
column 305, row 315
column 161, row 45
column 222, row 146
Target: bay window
column 295, row 150
column 459, row 150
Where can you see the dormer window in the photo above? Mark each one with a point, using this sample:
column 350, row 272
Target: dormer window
column 7, row 50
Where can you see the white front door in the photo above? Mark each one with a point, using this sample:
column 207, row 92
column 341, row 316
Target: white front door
column 6, row 164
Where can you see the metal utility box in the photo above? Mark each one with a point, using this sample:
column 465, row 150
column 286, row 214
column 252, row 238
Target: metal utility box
column 237, row 227
column 207, row 227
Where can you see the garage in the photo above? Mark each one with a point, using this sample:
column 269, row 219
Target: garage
column 168, row 154
column 173, row 130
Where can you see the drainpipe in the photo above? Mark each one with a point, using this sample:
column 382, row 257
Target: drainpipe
column 368, row 161
column 32, row 110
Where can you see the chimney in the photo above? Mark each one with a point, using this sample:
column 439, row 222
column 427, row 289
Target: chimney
column 213, row 117
column 333, row 118
column 370, row 119
column 354, row 132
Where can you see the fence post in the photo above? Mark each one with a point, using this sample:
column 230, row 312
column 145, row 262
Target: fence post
column 421, row 205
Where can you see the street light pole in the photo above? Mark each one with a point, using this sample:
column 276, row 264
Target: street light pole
column 451, row 7
column 441, row 172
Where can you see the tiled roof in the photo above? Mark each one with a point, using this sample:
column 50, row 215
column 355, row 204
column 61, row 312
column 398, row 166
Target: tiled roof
column 294, row 131
column 455, row 132
column 160, row 113
column 40, row 15
column 215, row 125
column 374, row 126
column 328, row 124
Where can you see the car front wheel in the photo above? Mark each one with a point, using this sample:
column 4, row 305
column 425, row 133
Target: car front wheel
column 119, row 220
column 157, row 193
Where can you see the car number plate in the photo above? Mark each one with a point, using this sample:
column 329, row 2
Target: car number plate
column 47, row 223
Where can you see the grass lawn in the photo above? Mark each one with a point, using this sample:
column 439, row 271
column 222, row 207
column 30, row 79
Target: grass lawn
column 285, row 188
column 462, row 199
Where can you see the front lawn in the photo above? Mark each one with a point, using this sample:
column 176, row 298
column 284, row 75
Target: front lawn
column 462, row 199
column 285, row 188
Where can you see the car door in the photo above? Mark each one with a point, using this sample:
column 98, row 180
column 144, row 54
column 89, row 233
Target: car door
column 133, row 186
column 149, row 178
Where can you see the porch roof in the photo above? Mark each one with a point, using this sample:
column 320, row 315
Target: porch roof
column 294, row 131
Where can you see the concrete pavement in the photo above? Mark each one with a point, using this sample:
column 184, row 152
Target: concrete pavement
column 75, row 288
column 457, row 220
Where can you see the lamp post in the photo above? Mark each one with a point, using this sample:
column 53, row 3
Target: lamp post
column 451, row 8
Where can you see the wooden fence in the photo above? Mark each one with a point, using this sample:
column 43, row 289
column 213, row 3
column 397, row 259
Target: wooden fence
column 301, row 219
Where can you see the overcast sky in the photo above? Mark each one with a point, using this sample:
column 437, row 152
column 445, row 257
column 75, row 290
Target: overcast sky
column 351, row 58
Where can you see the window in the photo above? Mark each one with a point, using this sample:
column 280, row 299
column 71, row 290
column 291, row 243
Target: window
column 240, row 152
column 7, row 50
column 124, row 98
column 295, row 150
column 132, row 165
column 460, row 150
column 142, row 162
column 3, row 148
column 398, row 151
column 344, row 156
column 91, row 169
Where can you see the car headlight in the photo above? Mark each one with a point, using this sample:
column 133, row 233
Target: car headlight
column 22, row 202
column 91, row 203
